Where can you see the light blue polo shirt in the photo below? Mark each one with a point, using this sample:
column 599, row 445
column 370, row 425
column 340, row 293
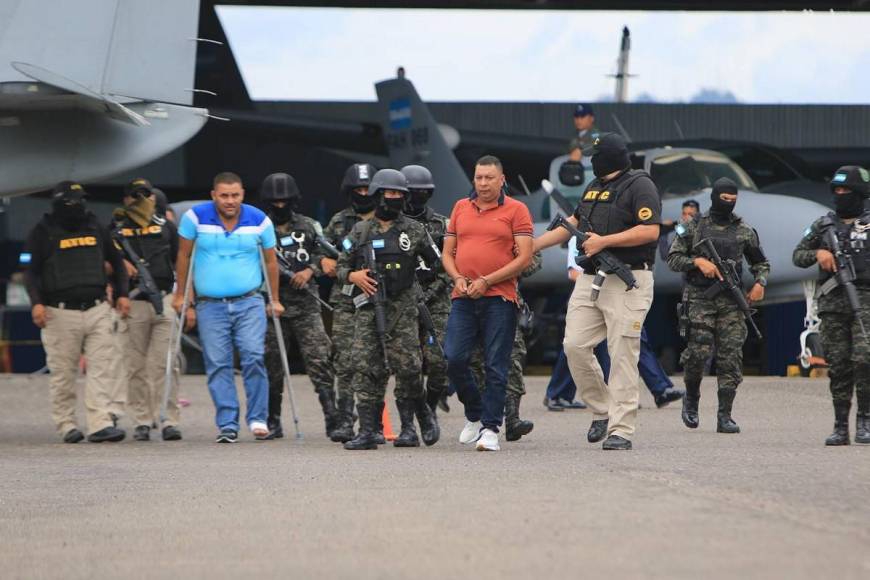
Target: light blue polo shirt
column 227, row 263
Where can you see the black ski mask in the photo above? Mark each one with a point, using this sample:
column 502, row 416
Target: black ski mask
column 389, row 208
column 417, row 200
column 848, row 205
column 610, row 154
column 721, row 210
column 282, row 215
column 69, row 215
column 362, row 203
column 857, row 181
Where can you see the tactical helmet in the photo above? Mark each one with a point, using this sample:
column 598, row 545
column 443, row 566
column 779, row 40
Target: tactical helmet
column 388, row 179
column 852, row 177
column 357, row 175
column 418, row 177
column 279, row 187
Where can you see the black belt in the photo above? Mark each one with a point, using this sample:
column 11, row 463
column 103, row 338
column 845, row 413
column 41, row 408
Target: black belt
column 228, row 298
column 640, row 266
column 76, row 305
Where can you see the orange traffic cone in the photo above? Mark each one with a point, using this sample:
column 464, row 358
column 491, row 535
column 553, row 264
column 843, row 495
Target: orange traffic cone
column 388, row 427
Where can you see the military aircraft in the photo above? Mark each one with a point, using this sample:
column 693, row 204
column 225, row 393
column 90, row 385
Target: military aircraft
column 92, row 88
column 412, row 136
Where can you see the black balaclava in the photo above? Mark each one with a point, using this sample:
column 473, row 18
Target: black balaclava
column 417, row 200
column 721, row 210
column 362, row 203
column 71, row 216
column 282, row 215
column 857, row 181
column 610, row 154
column 389, row 209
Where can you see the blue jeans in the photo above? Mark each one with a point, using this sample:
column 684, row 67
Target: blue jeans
column 561, row 384
column 240, row 324
column 491, row 321
column 652, row 373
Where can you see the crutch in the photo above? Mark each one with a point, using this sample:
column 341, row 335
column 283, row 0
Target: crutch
column 175, row 334
column 282, row 349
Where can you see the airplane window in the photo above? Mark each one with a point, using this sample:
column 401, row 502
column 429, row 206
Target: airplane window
column 682, row 173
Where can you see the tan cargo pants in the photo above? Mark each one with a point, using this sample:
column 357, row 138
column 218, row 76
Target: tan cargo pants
column 67, row 335
column 147, row 342
column 617, row 316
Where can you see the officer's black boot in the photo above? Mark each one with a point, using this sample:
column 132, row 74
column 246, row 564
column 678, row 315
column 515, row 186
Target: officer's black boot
column 408, row 435
column 344, row 431
column 365, row 438
column 330, row 413
column 273, row 421
column 429, row 429
column 725, row 423
column 514, row 426
column 379, row 424
column 862, row 417
column 276, row 430
column 690, row 404
column 840, row 436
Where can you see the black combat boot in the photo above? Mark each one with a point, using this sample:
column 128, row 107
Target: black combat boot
column 862, row 417
column 514, row 426
column 379, row 424
column 430, row 432
column 725, row 423
column 840, row 436
column 408, row 436
column 273, row 421
column 690, row 404
column 365, row 438
column 344, row 431
column 276, row 430
column 330, row 413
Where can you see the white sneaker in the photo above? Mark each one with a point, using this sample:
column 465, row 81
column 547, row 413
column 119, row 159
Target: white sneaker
column 488, row 441
column 470, row 433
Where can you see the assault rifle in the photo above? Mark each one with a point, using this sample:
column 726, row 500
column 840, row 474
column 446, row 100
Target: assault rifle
column 730, row 283
column 285, row 270
column 845, row 275
column 426, row 317
column 147, row 285
column 378, row 299
column 328, row 249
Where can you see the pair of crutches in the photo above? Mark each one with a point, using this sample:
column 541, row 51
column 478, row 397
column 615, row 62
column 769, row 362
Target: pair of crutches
column 178, row 330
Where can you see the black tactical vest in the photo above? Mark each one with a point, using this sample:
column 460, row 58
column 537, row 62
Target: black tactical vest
column 152, row 244
column 395, row 259
column 74, row 267
column 725, row 242
column 297, row 246
column 854, row 242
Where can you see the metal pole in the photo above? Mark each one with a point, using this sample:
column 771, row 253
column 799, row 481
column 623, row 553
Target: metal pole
column 282, row 349
column 175, row 334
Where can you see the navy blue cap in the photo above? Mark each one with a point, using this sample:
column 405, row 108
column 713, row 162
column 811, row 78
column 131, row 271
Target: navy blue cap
column 582, row 110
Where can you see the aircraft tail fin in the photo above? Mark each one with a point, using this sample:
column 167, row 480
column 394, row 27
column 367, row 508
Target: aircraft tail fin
column 413, row 137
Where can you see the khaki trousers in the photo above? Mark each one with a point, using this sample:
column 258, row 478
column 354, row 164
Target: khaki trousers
column 147, row 343
column 68, row 334
column 118, row 393
column 617, row 316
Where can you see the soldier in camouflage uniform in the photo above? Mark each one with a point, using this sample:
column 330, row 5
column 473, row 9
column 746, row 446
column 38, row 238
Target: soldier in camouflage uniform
column 847, row 349
column 436, row 285
column 717, row 320
column 299, row 257
column 355, row 186
column 397, row 242
column 516, row 388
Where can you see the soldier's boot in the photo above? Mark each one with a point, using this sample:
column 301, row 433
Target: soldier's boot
column 273, row 421
column 430, row 432
column 514, row 426
column 840, row 436
column 365, row 438
column 408, row 436
column 330, row 412
column 379, row 431
column 725, row 423
column 690, row 404
column 344, row 430
column 862, row 417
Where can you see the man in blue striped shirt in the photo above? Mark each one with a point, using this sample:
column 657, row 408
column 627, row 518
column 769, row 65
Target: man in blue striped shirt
column 227, row 276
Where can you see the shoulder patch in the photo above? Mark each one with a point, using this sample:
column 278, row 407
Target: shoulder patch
column 346, row 244
column 681, row 230
column 644, row 214
column 808, row 232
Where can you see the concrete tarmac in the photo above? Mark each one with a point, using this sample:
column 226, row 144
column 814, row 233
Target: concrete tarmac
column 771, row 502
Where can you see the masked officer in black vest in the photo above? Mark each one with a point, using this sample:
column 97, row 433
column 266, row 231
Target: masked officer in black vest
column 299, row 257
column 149, row 243
column 623, row 208
column 67, row 285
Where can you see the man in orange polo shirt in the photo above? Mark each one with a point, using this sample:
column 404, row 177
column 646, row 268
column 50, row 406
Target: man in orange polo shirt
column 487, row 245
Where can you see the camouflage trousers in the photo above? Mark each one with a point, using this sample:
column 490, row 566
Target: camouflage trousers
column 305, row 326
column 404, row 356
column 714, row 322
column 848, row 354
column 342, row 343
column 515, row 383
column 434, row 364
